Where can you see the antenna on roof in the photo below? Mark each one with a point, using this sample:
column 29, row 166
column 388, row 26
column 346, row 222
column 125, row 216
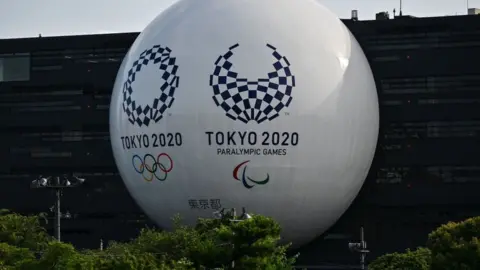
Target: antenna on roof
column 355, row 15
column 400, row 14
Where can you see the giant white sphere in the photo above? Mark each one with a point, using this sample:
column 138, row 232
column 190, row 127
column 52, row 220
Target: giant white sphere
column 265, row 104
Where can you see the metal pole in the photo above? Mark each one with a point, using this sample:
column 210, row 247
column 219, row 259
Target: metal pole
column 364, row 247
column 57, row 186
column 58, row 213
column 234, row 211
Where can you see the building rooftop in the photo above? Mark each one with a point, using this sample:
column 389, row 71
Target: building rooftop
column 109, row 40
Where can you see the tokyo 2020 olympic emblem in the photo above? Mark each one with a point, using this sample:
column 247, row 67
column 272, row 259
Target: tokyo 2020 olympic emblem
column 256, row 100
column 162, row 95
column 151, row 167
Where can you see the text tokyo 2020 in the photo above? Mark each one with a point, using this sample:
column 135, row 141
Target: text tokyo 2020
column 227, row 143
column 251, row 143
column 152, row 141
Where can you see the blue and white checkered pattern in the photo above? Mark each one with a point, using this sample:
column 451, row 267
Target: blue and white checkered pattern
column 144, row 114
column 252, row 100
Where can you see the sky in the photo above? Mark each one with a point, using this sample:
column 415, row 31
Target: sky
column 29, row 18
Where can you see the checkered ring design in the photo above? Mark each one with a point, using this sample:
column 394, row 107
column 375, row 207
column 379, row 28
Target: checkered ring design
column 162, row 97
column 247, row 100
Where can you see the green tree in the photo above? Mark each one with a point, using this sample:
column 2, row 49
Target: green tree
column 418, row 259
column 211, row 244
column 216, row 243
column 131, row 261
column 12, row 257
column 135, row 255
column 255, row 244
column 452, row 246
column 22, row 231
column 57, row 255
column 456, row 245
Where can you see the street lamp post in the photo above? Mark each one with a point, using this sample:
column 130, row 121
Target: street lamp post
column 360, row 247
column 221, row 214
column 57, row 185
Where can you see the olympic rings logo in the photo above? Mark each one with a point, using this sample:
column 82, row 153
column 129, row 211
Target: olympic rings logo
column 150, row 167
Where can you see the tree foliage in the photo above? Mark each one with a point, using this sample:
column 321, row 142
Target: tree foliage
column 452, row 246
column 22, row 231
column 12, row 257
column 456, row 245
column 214, row 243
column 211, row 244
column 418, row 259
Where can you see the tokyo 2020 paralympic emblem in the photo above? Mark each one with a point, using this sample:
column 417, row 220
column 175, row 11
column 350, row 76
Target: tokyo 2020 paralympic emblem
column 162, row 96
column 257, row 100
column 150, row 167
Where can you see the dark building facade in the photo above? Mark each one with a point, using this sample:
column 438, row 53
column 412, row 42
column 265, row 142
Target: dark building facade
column 426, row 169
column 55, row 97
column 55, row 94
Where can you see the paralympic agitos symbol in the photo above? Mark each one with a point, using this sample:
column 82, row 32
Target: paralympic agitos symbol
column 244, row 178
column 150, row 167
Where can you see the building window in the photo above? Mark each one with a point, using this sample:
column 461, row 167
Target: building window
column 434, row 129
column 102, row 101
column 391, row 102
column 391, row 147
column 386, row 58
column 48, row 154
column 455, row 174
column 15, row 176
column 432, row 101
column 430, row 85
column 97, row 174
column 14, row 67
column 423, row 38
column 392, row 175
column 47, row 68
column 22, row 94
column 41, row 106
column 445, row 174
column 403, row 85
column 91, row 56
column 39, row 152
column 68, row 136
